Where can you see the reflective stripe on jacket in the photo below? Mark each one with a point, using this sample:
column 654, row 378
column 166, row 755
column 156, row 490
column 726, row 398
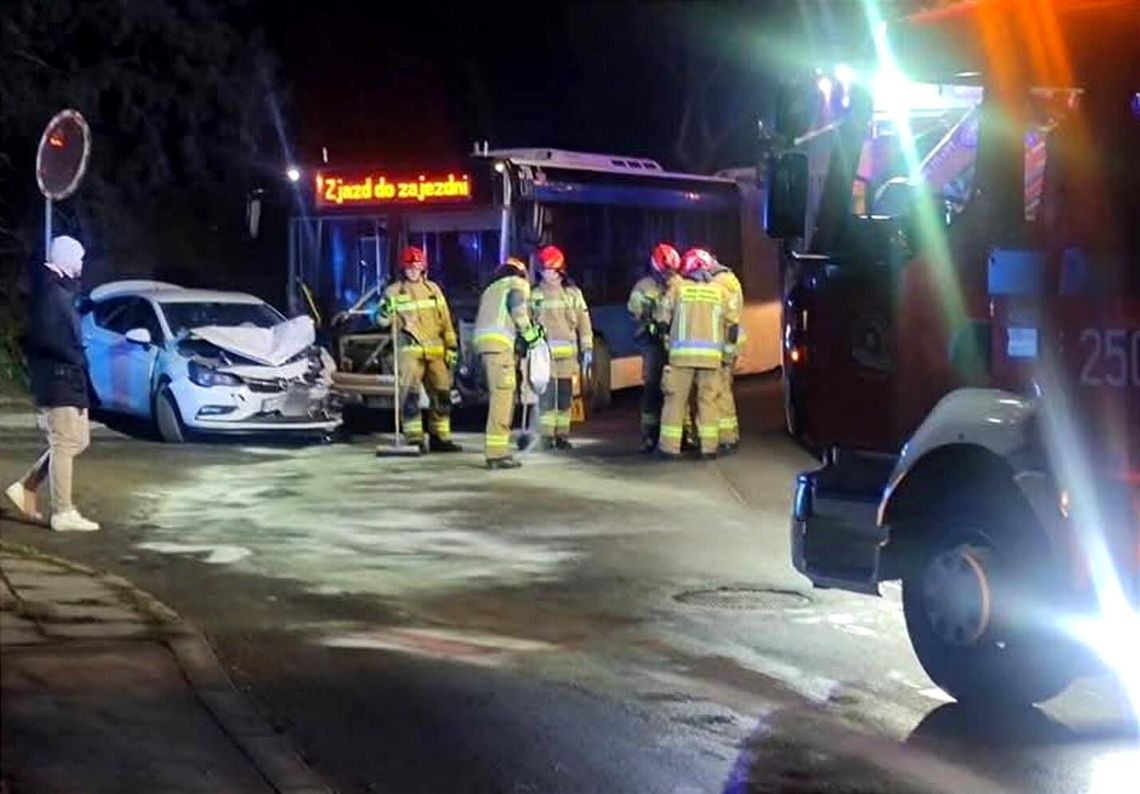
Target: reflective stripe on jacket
column 562, row 311
column 424, row 315
column 733, row 307
column 503, row 314
column 694, row 312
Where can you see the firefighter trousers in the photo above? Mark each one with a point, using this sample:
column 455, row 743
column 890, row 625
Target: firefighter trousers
column 435, row 376
column 652, row 363
column 678, row 383
column 726, row 407
column 554, row 408
column 501, row 382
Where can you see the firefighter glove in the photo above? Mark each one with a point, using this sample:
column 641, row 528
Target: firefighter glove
column 381, row 312
column 532, row 335
column 451, row 357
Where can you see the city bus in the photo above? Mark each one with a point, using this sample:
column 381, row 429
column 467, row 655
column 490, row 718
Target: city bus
column 605, row 212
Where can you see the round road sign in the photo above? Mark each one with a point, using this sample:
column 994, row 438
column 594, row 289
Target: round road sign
column 61, row 159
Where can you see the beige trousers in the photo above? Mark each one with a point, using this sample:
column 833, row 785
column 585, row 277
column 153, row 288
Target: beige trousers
column 501, row 383
column 414, row 370
column 678, row 383
column 727, row 422
column 68, row 434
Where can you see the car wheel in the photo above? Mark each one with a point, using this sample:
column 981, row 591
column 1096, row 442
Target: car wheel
column 970, row 604
column 167, row 418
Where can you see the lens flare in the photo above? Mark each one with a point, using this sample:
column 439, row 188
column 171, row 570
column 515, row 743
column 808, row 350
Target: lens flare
column 892, row 84
column 1115, row 772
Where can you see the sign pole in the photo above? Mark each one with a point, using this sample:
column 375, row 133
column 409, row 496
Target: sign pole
column 47, row 229
column 61, row 162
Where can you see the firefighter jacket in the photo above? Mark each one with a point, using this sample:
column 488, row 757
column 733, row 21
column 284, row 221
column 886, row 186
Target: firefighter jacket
column 733, row 309
column 644, row 298
column 561, row 310
column 424, row 316
column 504, row 312
column 694, row 312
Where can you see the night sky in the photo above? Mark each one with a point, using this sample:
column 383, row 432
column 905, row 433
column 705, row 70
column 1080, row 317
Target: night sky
column 417, row 83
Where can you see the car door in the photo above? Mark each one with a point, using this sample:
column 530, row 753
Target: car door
column 103, row 338
column 139, row 358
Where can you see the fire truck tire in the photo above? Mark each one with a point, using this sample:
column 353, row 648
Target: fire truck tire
column 957, row 602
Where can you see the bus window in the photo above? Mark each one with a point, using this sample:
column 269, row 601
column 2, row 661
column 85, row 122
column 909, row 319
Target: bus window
column 459, row 261
column 607, row 247
column 584, row 232
column 725, row 238
column 629, row 243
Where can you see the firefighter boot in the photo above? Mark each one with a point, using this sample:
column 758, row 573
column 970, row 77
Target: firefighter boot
column 503, row 463
column 444, row 445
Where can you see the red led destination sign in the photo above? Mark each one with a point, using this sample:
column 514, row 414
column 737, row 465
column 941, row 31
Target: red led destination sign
column 376, row 188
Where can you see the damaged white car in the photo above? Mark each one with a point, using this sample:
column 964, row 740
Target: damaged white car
column 204, row 361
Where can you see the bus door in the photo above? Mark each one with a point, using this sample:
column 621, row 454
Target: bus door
column 372, row 260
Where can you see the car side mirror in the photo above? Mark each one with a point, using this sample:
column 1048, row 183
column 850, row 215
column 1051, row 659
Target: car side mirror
column 787, row 184
column 139, row 336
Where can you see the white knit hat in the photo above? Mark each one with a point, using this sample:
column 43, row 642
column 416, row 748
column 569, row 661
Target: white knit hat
column 66, row 256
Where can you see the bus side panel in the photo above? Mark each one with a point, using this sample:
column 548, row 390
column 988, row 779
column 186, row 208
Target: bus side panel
column 760, row 278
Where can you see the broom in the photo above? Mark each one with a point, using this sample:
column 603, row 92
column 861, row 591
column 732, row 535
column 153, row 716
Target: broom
column 397, row 449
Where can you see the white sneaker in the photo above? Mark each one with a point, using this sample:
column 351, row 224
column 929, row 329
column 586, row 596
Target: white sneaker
column 71, row 521
column 21, row 497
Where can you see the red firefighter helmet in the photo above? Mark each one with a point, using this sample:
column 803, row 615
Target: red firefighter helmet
column 695, row 260
column 413, row 256
column 551, row 258
column 665, row 259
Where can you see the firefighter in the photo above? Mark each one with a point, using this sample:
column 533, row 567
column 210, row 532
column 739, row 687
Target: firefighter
column 692, row 309
column 727, row 422
column 664, row 263
column 557, row 304
column 429, row 350
column 502, row 322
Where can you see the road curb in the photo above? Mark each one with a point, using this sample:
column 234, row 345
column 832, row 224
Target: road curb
column 269, row 752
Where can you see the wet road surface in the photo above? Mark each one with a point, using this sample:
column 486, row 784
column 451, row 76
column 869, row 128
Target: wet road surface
column 594, row 622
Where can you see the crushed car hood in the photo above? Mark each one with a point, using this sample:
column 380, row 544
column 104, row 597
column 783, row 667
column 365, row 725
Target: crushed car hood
column 269, row 346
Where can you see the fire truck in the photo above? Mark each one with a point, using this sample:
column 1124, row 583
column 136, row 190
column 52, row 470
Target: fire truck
column 961, row 336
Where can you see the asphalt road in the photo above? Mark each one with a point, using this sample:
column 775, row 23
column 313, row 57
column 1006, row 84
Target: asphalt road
column 596, row 622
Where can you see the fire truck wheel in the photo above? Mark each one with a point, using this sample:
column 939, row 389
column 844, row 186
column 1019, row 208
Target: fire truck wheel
column 970, row 602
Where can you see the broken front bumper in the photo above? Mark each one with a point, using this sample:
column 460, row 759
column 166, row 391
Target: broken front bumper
column 257, row 407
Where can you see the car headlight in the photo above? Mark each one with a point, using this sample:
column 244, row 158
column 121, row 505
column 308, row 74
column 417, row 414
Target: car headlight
column 204, row 376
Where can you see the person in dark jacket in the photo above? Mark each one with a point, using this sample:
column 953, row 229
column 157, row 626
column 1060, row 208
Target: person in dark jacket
column 58, row 368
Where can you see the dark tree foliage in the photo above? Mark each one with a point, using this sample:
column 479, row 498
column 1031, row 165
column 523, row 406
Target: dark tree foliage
column 177, row 94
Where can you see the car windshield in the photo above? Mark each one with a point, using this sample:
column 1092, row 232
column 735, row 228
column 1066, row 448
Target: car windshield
column 184, row 316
